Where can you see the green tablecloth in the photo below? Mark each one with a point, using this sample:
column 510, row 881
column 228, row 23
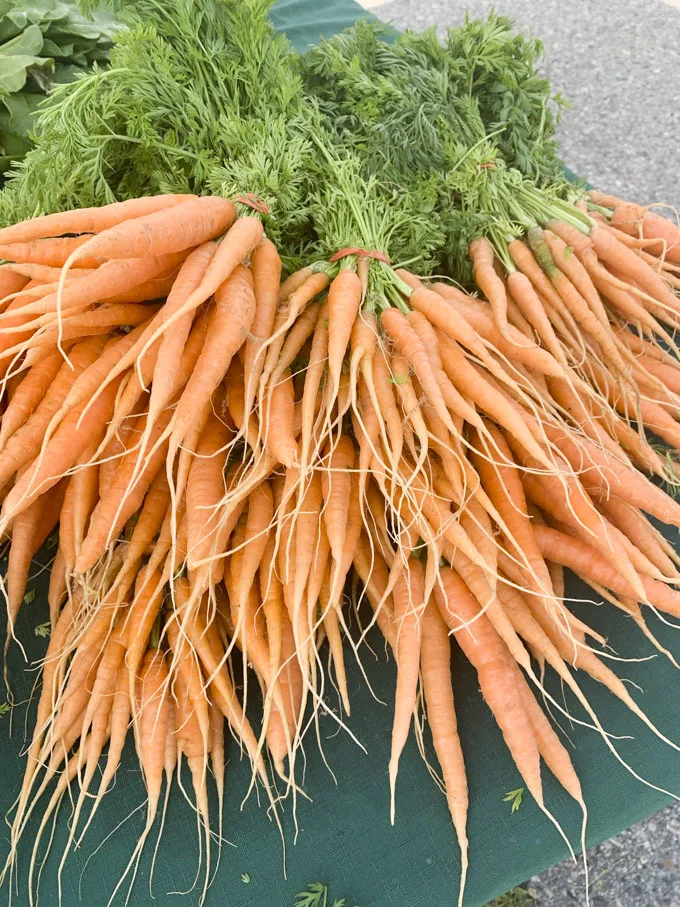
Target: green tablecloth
column 345, row 837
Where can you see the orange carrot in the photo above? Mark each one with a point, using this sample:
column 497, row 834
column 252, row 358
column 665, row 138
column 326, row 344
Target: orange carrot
column 441, row 716
column 482, row 255
column 411, row 346
column 51, row 252
column 121, row 499
column 229, row 326
column 615, row 254
column 265, row 265
column 293, row 282
column 281, row 434
column 636, row 221
column 30, row 393
column 114, row 277
column 489, row 656
column 87, row 220
column 205, row 489
column 408, row 607
column 344, row 300
column 29, row 531
column 180, row 227
column 591, row 565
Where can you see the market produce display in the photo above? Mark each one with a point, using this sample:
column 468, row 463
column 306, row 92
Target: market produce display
column 337, row 339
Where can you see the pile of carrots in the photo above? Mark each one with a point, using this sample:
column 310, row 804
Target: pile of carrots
column 225, row 453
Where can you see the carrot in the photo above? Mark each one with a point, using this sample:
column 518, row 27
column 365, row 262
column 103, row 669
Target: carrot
column 25, row 443
column 295, row 340
column 192, row 701
column 566, row 499
column 316, row 368
column 44, row 274
column 123, row 440
column 98, row 708
column 574, row 301
column 84, row 486
column 570, row 265
column 591, row 565
column 641, row 533
column 472, row 384
column 104, row 320
column 205, row 489
column 306, row 522
column 29, row 531
column 111, row 279
column 293, row 282
column 385, row 407
column 30, row 393
column 50, row 252
column 489, row 656
column 153, row 706
column 344, row 301
column 153, row 288
column 482, row 254
column 615, row 254
column 551, row 748
column 441, row 714
column 503, row 485
column 280, row 437
column 525, row 262
column 10, row 283
column 271, row 595
column 62, row 452
column 408, row 608
column 478, row 317
column 265, row 265
column 331, row 625
column 87, row 220
column 336, row 484
column 411, row 346
column 58, row 585
column 83, row 389
column 123, row 497
column 229, row 326
column 151, row 517
column 362, row 341
column 635, row 220
column 180, row 227
column 256, row 539
column 290, row 684
column 525, row 296
column 139, row 620
column 222, row 690
column 234, row 248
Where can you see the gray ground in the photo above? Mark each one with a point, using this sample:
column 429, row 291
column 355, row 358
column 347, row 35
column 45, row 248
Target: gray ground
column 618, row 61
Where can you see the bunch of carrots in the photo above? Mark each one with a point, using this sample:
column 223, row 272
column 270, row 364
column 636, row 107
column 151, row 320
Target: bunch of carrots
column 225, row 453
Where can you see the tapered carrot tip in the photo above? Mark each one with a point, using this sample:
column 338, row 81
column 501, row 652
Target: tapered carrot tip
column 393, row 770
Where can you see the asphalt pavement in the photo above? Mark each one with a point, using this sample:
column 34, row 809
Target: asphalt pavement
column 618, row 62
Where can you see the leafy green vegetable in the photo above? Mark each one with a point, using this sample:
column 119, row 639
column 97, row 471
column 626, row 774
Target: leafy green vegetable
column 4, row 708
column 465, row 128
column 29, row 598
column 514, row 797
column 43, row 44
column 43, row 630
column 316, row 895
